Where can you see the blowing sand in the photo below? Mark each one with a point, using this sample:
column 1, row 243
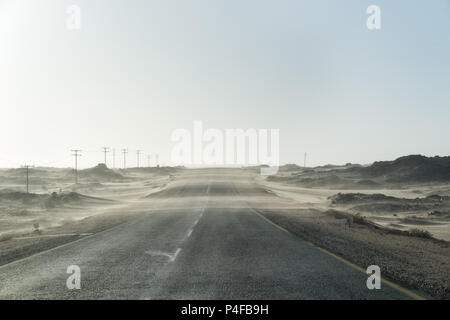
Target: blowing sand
column 57, row 211
column 403, row 230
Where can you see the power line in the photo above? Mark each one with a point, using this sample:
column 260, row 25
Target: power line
column 76, row 154
column 124, row 151
column 105, row 151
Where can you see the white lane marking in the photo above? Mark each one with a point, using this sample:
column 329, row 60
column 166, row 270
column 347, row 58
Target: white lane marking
column 175, row 255
column 200, row 216
column 188, row 234
column 171, row 257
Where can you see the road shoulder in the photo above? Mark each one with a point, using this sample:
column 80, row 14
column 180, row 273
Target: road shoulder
column 416, row 263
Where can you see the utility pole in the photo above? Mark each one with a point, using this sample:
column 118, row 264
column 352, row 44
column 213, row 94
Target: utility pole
column 304, row 161
column 124, row 151
column 105, row 151
column 76, row 154
column 138, row 153
column 148, row 160
column 157, row 159
column 27, row 171
column 114, row 158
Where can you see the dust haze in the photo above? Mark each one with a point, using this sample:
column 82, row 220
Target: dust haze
column 390, row 211
column 224, row 150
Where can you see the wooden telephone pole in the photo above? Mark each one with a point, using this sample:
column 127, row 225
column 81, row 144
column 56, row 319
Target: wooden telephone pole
column 27, row 167
column 76, row 153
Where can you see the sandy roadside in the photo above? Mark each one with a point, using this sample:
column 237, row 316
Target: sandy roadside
column 98, row 219
column 412, row 206
column 414, row 262
column 29, row 244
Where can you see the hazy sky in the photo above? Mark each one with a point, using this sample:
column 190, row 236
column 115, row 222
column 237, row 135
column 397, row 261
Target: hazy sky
column 139, row 69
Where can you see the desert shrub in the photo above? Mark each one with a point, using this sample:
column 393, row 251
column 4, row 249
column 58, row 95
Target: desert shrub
column 420, row 233
column 359, row 219
column 5, row 237
column 51, row 201
column 36, row 227
column 337, row 214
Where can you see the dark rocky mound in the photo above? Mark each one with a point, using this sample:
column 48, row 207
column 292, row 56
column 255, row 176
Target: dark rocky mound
column 383, row 203
column 331, row 179
column 100, row 172
column 12, row 195
column 342, row 198
column 411, row 168
column 52, row 200
column 367, row 183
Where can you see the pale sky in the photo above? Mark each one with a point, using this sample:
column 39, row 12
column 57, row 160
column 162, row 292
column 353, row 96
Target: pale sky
column 139, row 69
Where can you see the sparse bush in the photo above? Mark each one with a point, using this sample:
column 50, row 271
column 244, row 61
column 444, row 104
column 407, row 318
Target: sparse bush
column 5, row 237
column 420, row 233
column 359, row 219
column 337, row 214
column 36, row 227
column 51, row 201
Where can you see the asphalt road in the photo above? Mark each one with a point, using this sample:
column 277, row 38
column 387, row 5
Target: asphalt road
column 199, row 240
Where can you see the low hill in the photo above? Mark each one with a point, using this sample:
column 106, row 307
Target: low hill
column 99, row 173
column 414, row 169
column 411, row 168
column 12, row 197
